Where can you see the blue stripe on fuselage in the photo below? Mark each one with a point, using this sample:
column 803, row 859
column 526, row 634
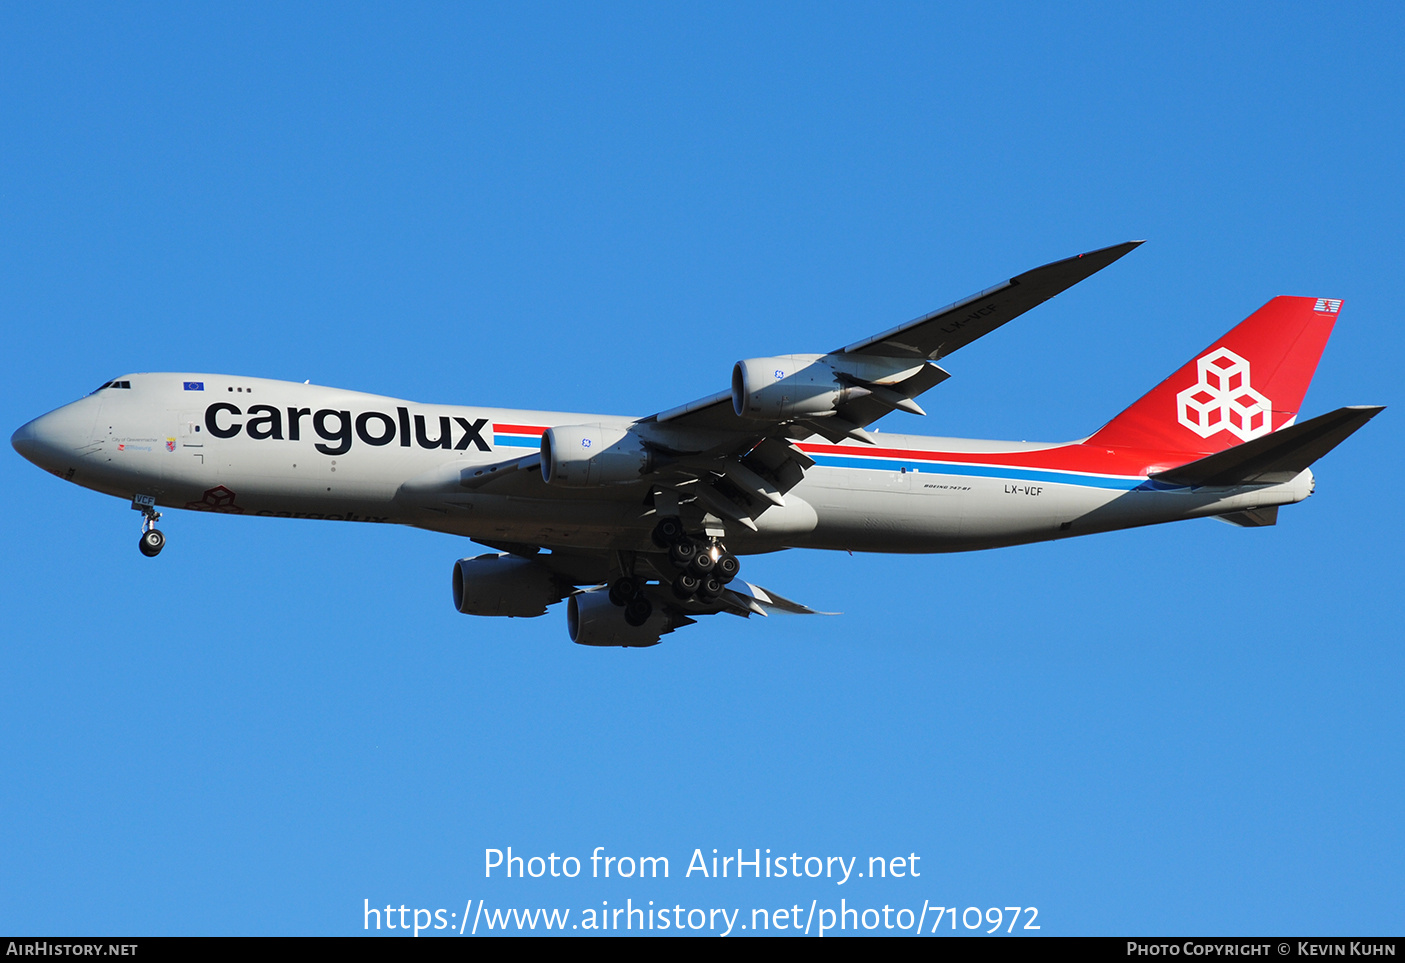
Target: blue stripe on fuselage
column 1112, row 482
column 980, row 471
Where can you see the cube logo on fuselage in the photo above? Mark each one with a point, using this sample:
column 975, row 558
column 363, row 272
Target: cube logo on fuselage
column 338, row 429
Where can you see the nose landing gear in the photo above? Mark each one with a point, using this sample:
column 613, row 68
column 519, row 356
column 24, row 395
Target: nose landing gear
column 152, row 541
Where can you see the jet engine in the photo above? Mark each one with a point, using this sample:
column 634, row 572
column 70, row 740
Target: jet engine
column 504, row 585
column 812, row 385
column 579, row 456
column 593, row 619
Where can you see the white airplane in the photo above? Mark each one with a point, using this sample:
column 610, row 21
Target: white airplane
column 639, row 522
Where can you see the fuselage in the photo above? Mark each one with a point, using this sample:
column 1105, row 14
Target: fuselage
column 252, row 446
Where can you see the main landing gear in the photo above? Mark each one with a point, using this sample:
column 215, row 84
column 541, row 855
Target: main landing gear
column 704, row 566
column 628, row 591
column 152, row 541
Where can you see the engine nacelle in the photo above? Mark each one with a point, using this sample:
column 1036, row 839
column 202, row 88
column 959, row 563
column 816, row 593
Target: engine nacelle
column 592, row 619
column 579, row 456
column 809, row 385
column 504, row 585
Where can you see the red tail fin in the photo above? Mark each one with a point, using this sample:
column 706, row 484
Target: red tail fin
column 1248, row 383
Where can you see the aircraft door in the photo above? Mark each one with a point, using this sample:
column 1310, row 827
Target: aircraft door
column 190, row 463
column 191, row 432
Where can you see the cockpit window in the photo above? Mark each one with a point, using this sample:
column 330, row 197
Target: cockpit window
column 111, row 384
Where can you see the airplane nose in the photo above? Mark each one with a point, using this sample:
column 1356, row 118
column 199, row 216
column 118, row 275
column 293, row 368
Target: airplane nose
column 54, row 438
column 24, row 442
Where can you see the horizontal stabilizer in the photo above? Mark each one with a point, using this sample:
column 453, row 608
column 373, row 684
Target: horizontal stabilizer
column 1253, row 517
column 1273, row 458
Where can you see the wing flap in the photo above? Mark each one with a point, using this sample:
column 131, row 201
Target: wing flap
column 884, row 398
column 769, row 601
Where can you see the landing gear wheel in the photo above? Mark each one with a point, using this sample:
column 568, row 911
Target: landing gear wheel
column 637, row 612
column 727, row 567
column 710, row 587
column 703, row 563
column 685, row 586
column 682, row 554
column 622, row 590
column 668, row 531
column 152, row 541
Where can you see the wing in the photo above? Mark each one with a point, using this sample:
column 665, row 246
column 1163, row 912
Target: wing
column 910, row 348
column 731, row 453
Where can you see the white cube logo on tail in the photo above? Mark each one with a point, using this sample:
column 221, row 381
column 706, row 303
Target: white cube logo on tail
column 1222, row 399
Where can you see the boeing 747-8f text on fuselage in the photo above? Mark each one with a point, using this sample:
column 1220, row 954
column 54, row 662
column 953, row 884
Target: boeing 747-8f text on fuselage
column 639, row 522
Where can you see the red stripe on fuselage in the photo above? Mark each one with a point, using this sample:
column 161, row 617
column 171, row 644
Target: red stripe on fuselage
column 1088, row 459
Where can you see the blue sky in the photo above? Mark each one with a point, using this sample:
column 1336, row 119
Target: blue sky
column 1184, row 729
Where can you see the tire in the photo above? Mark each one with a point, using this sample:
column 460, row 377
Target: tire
column 685, row 586
column 727, row 567
column 682, row 554
column 622, row 590
column 151, row 543
column 703, row 563
column 667, row 531
column 637, row 612
column 710, row 587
